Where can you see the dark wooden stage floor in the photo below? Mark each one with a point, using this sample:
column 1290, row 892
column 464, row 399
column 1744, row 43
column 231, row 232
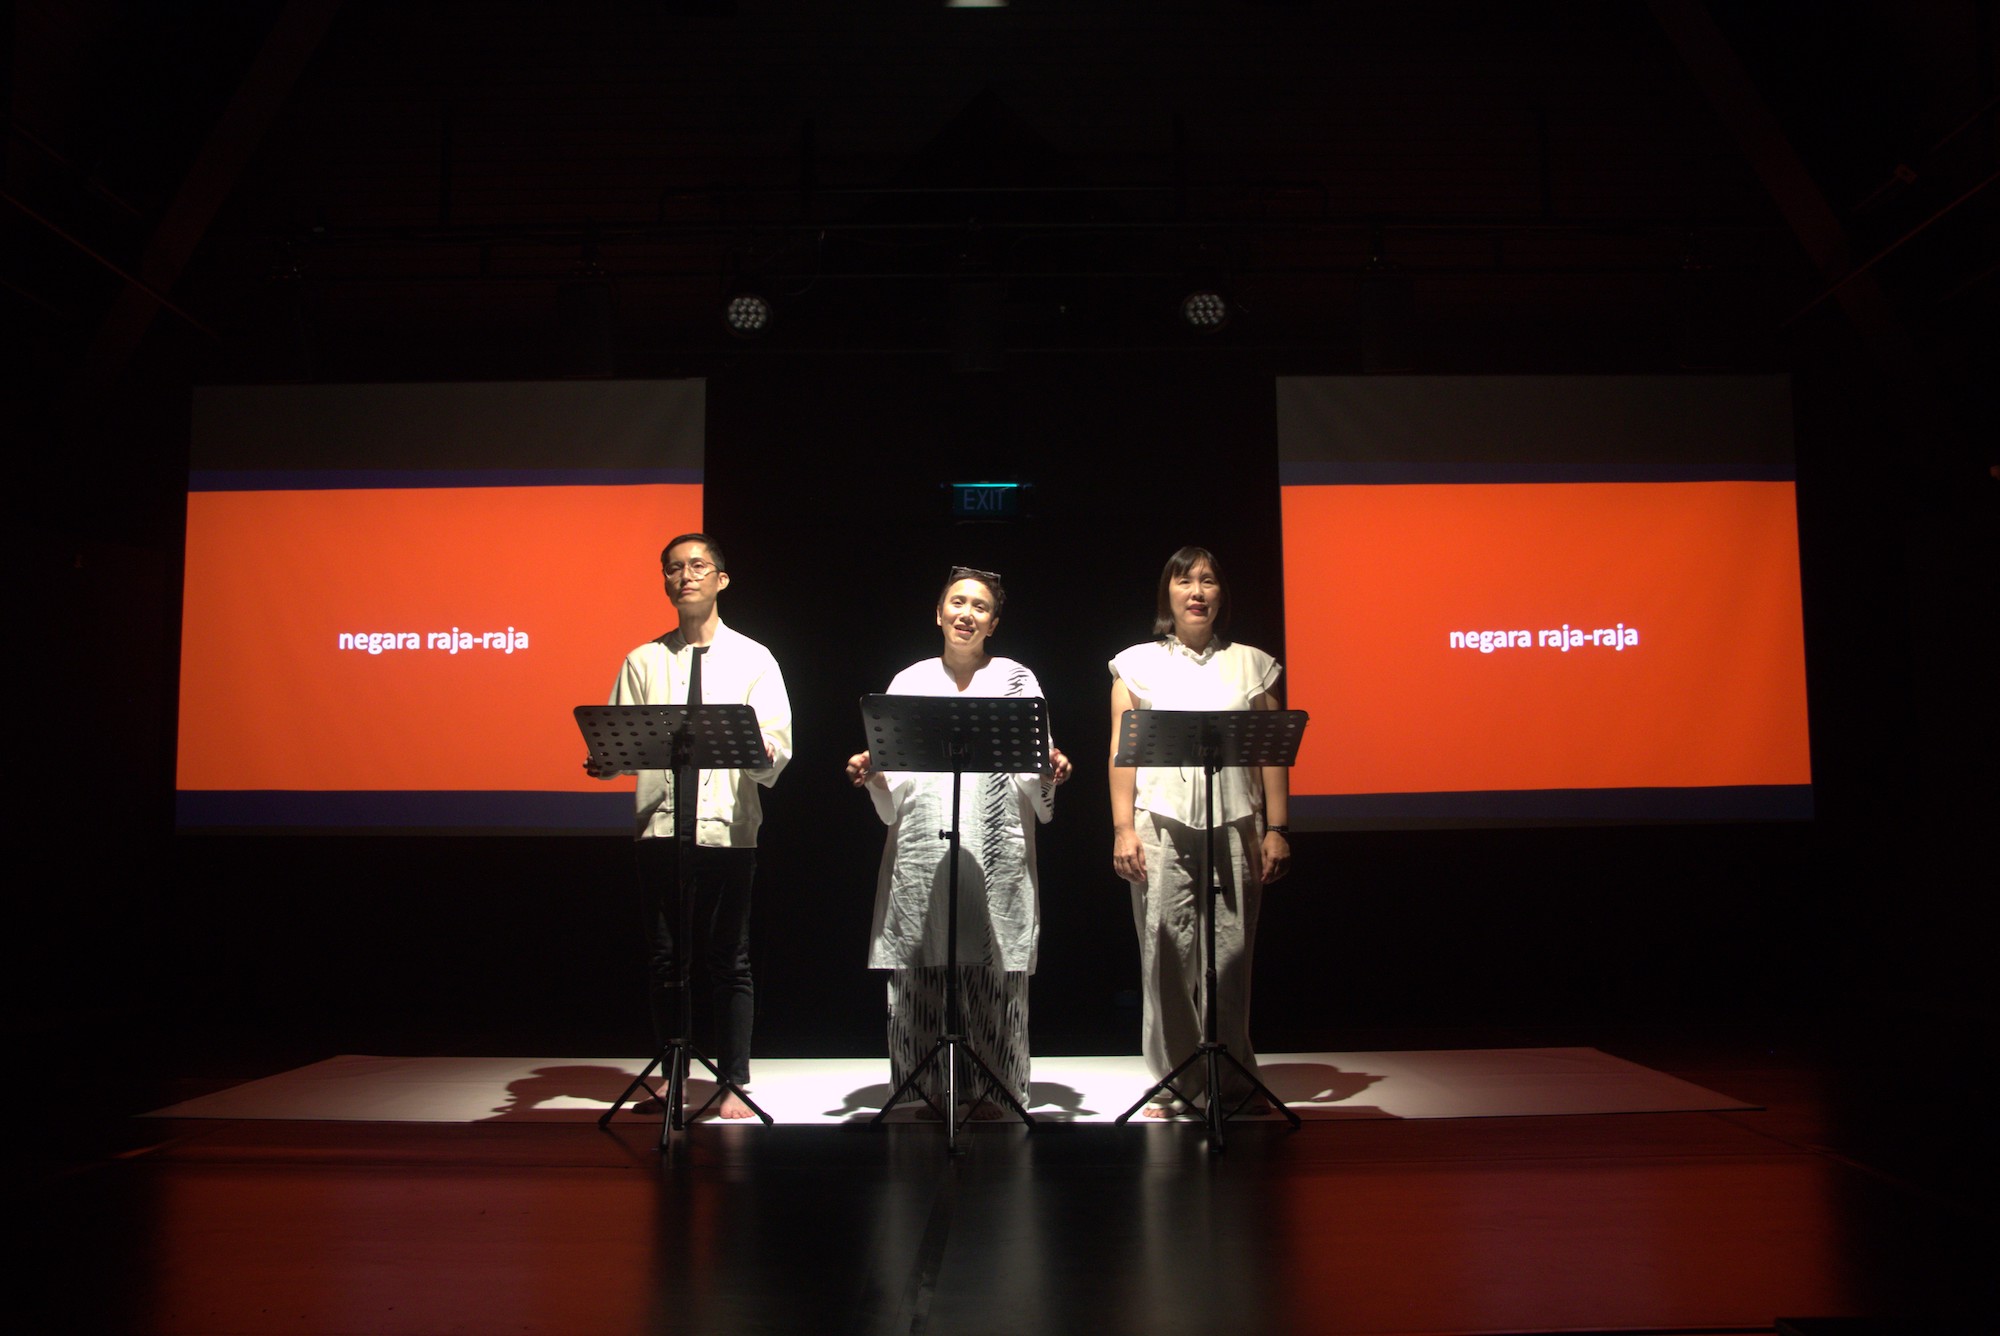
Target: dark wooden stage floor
column 1657, row 1223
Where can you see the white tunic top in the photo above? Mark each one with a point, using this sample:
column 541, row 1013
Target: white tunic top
column 736, row 670
column 1167, row 675
column 997, row 882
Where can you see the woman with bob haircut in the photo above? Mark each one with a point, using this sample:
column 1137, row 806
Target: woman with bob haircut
column 1157, row 823
column 999, row 914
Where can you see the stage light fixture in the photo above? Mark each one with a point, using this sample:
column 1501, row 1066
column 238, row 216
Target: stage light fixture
column 747, row 315
column 1204, row 310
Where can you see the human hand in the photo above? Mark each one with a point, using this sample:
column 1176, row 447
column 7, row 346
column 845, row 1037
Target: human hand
column 1128, row 856
column 1060, row 764
column 1277, row 852
column 858, row 770
column 595, row 771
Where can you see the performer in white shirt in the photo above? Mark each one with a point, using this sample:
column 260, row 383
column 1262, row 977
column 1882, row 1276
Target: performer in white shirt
column 1157, row 822
column 999, row 917
column 722, row 667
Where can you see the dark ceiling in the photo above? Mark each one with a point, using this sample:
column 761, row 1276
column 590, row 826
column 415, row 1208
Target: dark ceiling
column 318, row 190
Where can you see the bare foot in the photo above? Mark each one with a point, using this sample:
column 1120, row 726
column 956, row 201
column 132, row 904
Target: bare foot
column 1157, row 1111
column 732, row 1107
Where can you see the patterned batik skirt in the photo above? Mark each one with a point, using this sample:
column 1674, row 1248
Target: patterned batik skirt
column 993, row 1006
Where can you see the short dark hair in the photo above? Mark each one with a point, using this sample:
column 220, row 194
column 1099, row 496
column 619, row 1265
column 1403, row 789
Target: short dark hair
column 1179, row 564
column 714, row 552
column 991, row 579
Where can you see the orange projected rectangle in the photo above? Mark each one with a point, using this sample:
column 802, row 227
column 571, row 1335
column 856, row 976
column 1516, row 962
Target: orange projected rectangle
column 413, row 639
column 1480, row 637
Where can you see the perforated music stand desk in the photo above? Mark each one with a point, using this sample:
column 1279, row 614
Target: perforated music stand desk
column 642, row 737
column 685, row 740
column 960, row 735
column 1210, row 739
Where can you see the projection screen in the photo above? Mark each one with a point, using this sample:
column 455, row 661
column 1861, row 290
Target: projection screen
column 1542, row 599
column 394, row 594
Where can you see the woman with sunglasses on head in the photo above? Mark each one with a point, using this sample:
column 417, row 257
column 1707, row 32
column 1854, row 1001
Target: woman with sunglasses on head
column 1158, row 818
column 999, row 919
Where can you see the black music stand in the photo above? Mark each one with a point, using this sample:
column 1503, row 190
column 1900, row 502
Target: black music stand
column 1212, row 740
column 686, row 740
column 961, row 735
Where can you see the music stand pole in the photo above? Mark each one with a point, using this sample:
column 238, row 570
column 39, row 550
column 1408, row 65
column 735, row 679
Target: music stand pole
column 960, row 735
column 685, row 740
column 954, row 1023
column 1248, row 737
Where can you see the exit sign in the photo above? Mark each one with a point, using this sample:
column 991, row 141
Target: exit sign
column 987, row 500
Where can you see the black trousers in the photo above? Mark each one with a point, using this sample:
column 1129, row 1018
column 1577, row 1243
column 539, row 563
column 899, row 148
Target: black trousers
column 720, row 884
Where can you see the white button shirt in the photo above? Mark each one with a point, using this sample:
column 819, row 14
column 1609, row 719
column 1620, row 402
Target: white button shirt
column 734, row 670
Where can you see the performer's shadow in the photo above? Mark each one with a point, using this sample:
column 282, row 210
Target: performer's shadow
column 563, row 1094
column 1320, row 1088
column 573, row 1093
column 868, row 1099
column 1067, row 1102
column 1046, row 1099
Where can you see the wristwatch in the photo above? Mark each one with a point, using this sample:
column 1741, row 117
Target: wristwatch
column 1285, row 831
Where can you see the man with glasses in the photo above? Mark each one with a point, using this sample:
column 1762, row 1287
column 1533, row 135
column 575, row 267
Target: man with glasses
column 704, row 662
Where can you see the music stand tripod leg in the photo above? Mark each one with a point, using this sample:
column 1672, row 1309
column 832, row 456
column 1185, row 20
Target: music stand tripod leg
column 604, row 1120
column 1257, row 1087
column 1165, row 1085
column 723, row 1086
column 910, row 1083
column 998, row 1087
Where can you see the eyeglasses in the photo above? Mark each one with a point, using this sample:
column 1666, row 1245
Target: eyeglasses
column 697, row 569
column 991, row 579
